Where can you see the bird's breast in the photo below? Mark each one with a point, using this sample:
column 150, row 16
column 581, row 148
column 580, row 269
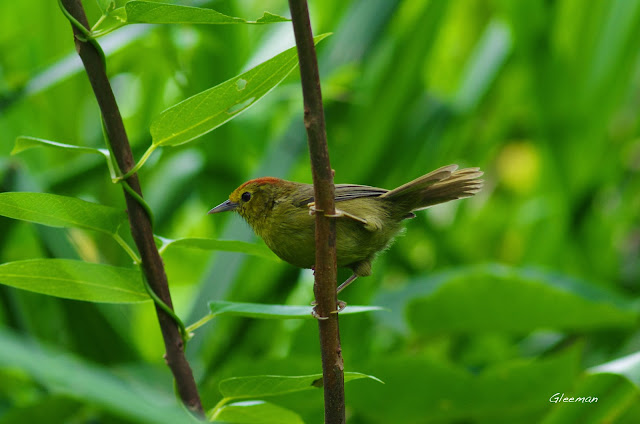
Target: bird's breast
column 290, row 233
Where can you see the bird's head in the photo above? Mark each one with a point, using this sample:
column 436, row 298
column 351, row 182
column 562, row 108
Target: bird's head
column 254, row 199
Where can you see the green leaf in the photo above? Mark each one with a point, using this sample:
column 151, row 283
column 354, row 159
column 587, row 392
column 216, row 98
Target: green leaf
column 274, row 385
column 255, row 412
column 484, row 66
column 620, row 23
column 162, row 13
column 604, row 398
column 459, row 393
column 627, row 366
column 146, row 12
column 259, row 310
column 76, row 280
column 501, row 298
column 62, row 373
column 208, row 110
column 25, row 143
column 105, row 5
column 260, row 250
column 615, row 384
column 53, row 408
column 61, row 211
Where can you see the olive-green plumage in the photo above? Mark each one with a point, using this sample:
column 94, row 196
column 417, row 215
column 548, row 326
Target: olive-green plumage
column 369, row 217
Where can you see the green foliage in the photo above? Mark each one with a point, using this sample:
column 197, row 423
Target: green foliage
column 497, row 298
column 261, row 310
column 628, row 366
column 449, row 393
column 146, row 12
column 77, row 379
column 76, row 280
column 208, row 110
column 61, row 211
column 260, row 250
column 149, row 12
column 255, row 411
column 25, row 143
column 273, row 385
column 492, row 304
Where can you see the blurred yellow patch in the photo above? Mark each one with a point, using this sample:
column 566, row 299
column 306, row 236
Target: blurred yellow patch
column 84, row 245
column 512, row 247
column 518, row 166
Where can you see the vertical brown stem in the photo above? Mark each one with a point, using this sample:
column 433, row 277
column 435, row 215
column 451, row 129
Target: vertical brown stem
column 140, row 222
column 325, row 266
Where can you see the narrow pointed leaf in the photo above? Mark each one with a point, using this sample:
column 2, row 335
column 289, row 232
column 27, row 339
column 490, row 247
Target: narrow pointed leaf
column 25, row 143
column 484, row 66
column 105, row 5
column 71, row 279
column 256, row 412
column 259, row 310
column 61, row 211
column 162, row 13
column 627, row 366
column 208, row 110
column 274, row 385
column 225, row 245
column 146, row 12
column 501, row 298
column 51, row 408
column 452, row 392
column 599, row 397
column 65, row 374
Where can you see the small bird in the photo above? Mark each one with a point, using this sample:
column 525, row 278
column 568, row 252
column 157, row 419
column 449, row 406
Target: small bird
column 367, row 218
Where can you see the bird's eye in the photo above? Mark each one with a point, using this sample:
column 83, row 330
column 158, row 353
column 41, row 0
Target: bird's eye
column 246, row 196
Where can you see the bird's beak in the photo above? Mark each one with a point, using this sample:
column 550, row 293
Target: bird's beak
column 223, row 207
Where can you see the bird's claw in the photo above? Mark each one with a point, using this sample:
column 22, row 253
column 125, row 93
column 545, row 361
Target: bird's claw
column 317, row 316
column 313, row 210
column 341, row 305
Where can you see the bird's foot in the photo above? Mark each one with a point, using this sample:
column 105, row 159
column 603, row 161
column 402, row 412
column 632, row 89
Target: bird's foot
column 316, row 315
column 338, row 213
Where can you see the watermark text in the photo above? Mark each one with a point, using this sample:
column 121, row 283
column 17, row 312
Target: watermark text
column 561, row 398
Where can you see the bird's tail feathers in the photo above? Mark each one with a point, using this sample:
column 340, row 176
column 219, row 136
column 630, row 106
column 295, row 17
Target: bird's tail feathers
column 439, row 186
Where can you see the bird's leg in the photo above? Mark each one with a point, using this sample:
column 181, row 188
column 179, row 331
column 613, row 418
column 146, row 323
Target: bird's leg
column 346, row 283
column 339, row 213
column 341, row 304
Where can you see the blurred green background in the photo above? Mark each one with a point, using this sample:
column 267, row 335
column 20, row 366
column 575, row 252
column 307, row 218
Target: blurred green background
column 495, row 302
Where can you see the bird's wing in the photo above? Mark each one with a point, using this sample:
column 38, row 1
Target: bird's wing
column 354, row 191
column 345, row 192
column 342, row 192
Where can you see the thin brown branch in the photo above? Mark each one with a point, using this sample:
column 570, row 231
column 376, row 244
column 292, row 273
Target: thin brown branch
column 325, row 266
column 140, row 222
